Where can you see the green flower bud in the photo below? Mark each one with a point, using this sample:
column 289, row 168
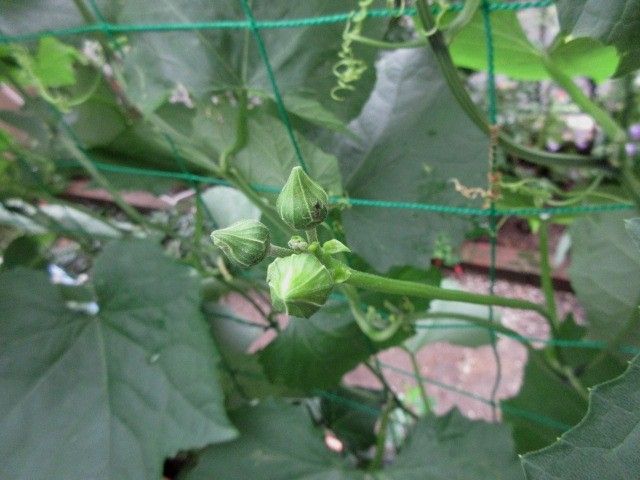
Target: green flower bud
column 299, row 284
column 302, row 203
column 245, row 243
column 298, row 243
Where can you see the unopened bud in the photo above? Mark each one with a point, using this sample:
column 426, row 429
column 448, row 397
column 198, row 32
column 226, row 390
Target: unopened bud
column 302, row 203
column 299, row 284
column 245, row 243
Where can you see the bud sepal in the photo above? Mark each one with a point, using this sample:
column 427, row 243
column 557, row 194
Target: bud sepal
column 333, row 247
column 302, row 203
column 245, row 243
column 300, row 284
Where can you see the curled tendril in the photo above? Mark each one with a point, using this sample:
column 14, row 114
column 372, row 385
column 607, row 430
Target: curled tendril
column 443, row 8
column 349, row 69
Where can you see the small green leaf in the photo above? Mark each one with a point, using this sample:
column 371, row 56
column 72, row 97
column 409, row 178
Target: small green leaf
column 604, row 445
column 333, row 246
column 614, row 22
column 54, row 62
column 517, row 57
column 585, row 57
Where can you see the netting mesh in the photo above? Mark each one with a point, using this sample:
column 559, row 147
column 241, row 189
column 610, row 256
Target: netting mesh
column 182, row 173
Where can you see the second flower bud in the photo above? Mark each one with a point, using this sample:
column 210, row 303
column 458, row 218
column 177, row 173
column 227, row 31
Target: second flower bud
column 302, row 203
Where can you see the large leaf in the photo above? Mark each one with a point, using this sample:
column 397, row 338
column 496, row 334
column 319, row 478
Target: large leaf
column 302, row 58
column 605, row 273
column 450, row 447
column 545, row 407
column 633, row 229
column 351, row 413
column 414, row 140
column 228, row 205
column 317, row 352
column 268, row 156
column 546, row 404
column 615, row 22
column 278, row 442
column 108, row 395
column 605, row 443
column 453, row 447
column 517, row 57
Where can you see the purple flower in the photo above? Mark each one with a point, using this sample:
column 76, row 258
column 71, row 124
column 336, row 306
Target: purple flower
column 552, row 145
column 631, row 149
column 634, row 131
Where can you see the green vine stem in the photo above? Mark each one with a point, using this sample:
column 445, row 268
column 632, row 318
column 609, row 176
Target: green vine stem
column 452, row 77
column 477, row 321
column 602, row 118
column 381, row 437
column 371, row 42
column 101, row 180
column 241, row 132
column 265, row 207
column 391, row 286
column 377, row 372
column 277, row 251
column 546, row 280
column 419, row 383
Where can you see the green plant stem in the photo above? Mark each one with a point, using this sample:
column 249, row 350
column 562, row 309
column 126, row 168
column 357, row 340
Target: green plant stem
column 546, row 280
column 101, row 180
column 601, row 116
column 267, row 210
column 377, row 372
column 370, row 42
column 84, row 11
column 465, row 16
column 391, row 286
column 277, row 251
column 242, row 135
column 477, row 321
column 381, row 437
column 452, row 77
column 419, row 383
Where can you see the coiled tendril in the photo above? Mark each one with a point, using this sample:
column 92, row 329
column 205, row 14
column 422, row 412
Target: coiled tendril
column 349, row 69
